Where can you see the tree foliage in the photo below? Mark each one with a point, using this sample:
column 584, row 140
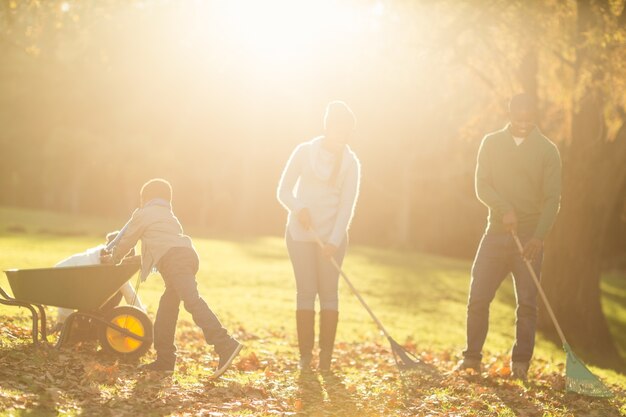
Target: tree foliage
column 100, row 96
column 571, row 56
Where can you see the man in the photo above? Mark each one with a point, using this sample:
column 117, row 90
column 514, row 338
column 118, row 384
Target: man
column 518, row 177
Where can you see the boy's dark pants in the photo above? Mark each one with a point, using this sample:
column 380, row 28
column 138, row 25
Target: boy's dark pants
column 178, row 267
column 498, row 256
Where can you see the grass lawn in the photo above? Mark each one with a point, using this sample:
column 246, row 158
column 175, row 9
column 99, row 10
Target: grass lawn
column 249, row 284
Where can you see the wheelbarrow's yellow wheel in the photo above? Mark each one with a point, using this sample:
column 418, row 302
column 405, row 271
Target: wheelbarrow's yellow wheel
column 133, row 320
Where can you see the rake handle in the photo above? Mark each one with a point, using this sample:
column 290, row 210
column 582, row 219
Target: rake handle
column 539, row 288
column 352, row 288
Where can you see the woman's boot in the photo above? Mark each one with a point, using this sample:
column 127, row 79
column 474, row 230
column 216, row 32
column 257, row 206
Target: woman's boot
column 305, row 321
column 328, row 329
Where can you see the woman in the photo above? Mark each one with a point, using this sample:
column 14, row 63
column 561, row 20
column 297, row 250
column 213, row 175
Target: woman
column 326, row 173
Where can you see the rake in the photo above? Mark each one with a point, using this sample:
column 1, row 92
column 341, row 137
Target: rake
column 578, row 378
column 404, row 359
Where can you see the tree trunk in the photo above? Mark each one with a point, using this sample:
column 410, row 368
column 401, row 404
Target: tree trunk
column 594, row 173
column 592, row 177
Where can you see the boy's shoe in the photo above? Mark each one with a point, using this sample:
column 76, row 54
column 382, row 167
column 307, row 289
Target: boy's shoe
column 158, row 366
column 227, row 355
column 468, row 363
column 519, row 370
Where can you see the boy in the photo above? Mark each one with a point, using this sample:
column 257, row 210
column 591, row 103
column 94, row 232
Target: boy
column 166, row 248
column 92, row 256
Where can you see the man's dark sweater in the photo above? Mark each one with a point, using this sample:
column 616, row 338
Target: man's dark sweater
column 525, row 178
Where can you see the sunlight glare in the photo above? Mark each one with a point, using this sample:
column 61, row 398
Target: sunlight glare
column 378, row 9
column 276, row 31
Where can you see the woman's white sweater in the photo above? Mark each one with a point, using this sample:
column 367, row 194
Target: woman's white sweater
column 306, row 183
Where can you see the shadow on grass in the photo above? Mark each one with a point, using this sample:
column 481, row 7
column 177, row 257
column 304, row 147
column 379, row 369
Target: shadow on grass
column 146, row 396
column 541, row 397
column 418, row 382
column 45, row 381
column 342, row 402
column 28, row 387
column 515, row 398
column 310, row 393
column 36, row 412
column 325, row 394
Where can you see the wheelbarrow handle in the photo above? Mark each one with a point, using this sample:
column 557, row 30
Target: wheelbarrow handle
column 39, row 320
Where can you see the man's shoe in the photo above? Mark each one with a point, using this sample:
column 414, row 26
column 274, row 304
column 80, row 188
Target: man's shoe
column 227, row 355
column 158, row 366
column 468, row 364
column 519, row 370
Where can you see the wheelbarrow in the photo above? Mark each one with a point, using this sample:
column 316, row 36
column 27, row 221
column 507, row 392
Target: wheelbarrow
column 123, row 330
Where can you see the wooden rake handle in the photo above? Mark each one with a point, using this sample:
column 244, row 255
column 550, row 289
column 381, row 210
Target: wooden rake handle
column 539, row 288
column 352, row 288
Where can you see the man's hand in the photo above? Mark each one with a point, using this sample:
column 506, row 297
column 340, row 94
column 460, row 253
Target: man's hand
column 509, row 220
column 329, row 250
column 304, row 217
column 106, row 259
column 533, row 249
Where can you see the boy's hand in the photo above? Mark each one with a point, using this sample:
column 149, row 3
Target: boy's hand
column 304, row 217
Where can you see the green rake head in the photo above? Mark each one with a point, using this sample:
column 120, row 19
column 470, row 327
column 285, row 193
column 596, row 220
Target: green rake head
column 580, row 380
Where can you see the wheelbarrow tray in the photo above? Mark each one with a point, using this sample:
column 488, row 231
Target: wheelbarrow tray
column 76, row 287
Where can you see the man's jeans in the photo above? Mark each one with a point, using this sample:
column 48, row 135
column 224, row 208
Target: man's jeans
column 178, row 267
column 498, row 256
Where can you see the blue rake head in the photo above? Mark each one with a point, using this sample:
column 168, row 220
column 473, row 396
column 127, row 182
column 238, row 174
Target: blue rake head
column 580, row 380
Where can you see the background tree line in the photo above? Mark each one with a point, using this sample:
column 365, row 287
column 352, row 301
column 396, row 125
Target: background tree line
column 99, row 96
